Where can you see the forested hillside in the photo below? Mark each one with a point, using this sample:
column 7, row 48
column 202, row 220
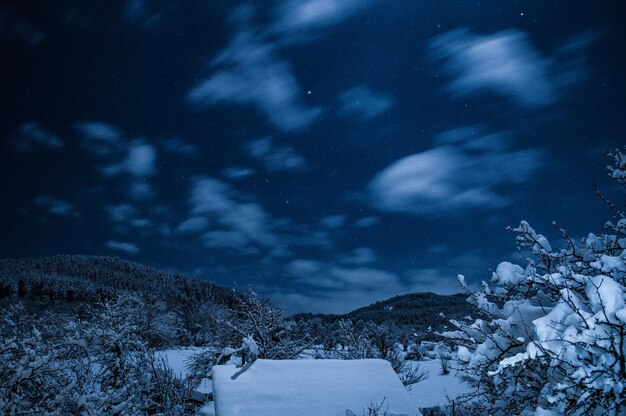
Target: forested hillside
column 416, row 312
column 96, row 279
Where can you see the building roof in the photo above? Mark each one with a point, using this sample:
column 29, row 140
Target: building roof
column 309, row 388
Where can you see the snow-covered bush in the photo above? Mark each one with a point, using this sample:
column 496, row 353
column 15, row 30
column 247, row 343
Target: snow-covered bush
column 262, row 321
column 55, row 366
column 552, row 340
column 31, row 378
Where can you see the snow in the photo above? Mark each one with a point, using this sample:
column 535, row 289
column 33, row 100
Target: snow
column 437, row 389
column 177, row 360
column 310, row 388
column 605, row 294
column 207, row 410
column 509, row 273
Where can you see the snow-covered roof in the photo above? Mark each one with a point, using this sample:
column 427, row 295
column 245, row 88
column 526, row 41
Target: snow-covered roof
column 309, row 388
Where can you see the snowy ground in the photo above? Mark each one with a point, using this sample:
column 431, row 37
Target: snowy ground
column 177, row 360
column 436, row 390
column 309, row 388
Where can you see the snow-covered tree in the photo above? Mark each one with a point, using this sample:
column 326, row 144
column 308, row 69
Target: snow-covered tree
column 552, row 338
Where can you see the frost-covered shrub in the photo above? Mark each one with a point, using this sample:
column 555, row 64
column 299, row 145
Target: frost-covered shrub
column 54, row 366
column 271, row 330
column 31, row 378
column 553, row 337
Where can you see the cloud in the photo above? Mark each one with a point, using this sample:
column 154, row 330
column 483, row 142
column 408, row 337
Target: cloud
column 31, row 135
column 98, row 138
column 333, row 221
column 126, row 215
column 302, row 268
column 132, row 160
column 128, row 248
column 275, row 157
column 311, row 15
column 143, row 13
column 232, row 239
column 193, row 225
column 139, row 189
column 364, row 103
column 180, row 147
column 506, row 63
column 467, row 171
column 250, row 72
column 57, row 207
column 335, row 289
column 360, row 256
column 366, row 222
column 140, row 161
column 244, row 222
column 15, row 28
column 329, row 288
column 434, row 280
column 235, row 221
column 317, row 274
column 238, row 172
column 121, row 212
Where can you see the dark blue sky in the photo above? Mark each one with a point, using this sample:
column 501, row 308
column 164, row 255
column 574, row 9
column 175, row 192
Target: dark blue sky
column 328, row 152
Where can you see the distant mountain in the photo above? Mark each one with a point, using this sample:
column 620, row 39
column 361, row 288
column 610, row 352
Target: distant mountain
column 416, row 310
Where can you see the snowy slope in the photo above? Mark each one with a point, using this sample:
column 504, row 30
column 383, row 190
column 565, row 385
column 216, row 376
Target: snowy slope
column 309, row 388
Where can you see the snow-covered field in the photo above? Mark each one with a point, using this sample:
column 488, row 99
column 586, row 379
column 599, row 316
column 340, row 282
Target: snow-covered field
column 436, row 390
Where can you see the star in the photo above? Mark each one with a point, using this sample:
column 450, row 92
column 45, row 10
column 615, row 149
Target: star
column 309, row 92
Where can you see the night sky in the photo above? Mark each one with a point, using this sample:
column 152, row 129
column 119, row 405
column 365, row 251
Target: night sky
column 329, row 153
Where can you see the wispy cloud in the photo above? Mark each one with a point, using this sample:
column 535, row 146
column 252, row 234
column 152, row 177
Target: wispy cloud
column 364, row 103
column 57, row 207
column 334, row 221
column 252, row 71
column 31, row 135
column 98, row 138
column 366, row 222
column 470, row 169
column 360, row 256
column 242, row 223
column 144, row 12
column 119, row 156
column 193, row 225
column 178, row 146
column 237, row 172
column 139, row 162
column 318, row 274
column 330, row 288
column 436, row 280
column 123, row 246
column 508, row 64
column 311, row 15
column 14, row 28
column 125, row 216
column 121, row 212
column 224, row 217
column 275, row 157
